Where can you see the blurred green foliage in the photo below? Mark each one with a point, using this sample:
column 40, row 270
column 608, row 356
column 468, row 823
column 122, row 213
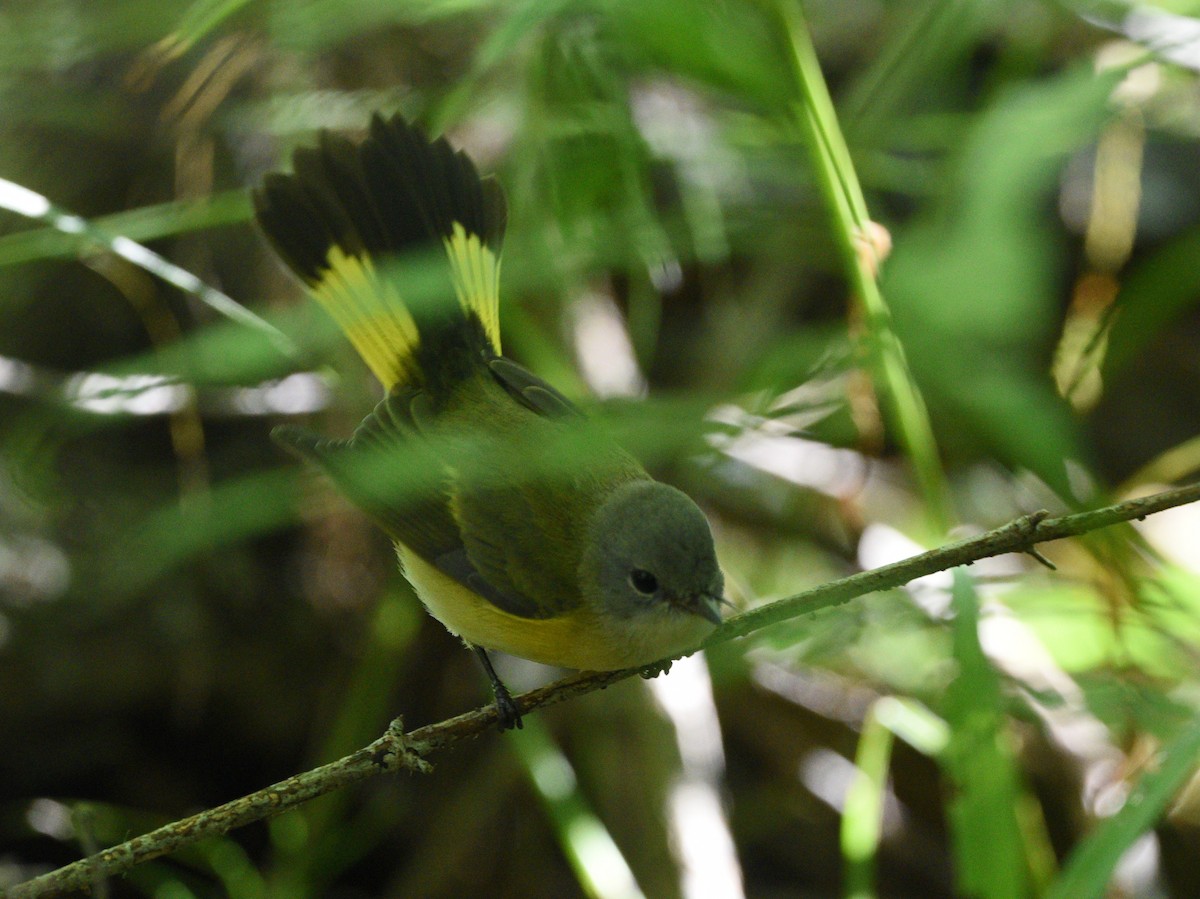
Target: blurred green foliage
column 185, row 615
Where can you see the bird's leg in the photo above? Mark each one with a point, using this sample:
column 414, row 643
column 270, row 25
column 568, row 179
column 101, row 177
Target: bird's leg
column 506, row 707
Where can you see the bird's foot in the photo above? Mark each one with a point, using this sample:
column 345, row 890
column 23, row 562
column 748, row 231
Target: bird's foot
column 652, row 671
column 507, row 710
column 508, row 713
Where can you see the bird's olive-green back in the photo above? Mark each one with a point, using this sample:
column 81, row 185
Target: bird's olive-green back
column 524, row 491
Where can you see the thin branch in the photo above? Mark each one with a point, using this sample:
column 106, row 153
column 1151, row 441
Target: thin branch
column 399, row 751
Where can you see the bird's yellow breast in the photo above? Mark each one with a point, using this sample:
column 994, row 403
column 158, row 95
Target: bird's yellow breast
column 578, row 638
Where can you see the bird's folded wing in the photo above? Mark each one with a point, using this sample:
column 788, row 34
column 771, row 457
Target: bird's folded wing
column 399, row 476
column 388, row 471
column 531, row 391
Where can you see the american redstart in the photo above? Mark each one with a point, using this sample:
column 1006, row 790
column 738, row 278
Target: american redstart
column 594, row 566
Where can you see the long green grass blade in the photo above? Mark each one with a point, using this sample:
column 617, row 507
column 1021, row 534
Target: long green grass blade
column 862, row 818
column 817, row 121
column 988, row 843
column 1089, row 868
column 30, row 204
column 598, row 863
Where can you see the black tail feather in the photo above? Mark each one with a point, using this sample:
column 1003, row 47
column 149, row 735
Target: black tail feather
column 349, row 207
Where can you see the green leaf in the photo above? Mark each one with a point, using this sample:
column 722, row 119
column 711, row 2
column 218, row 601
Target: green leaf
column 862, row 820
column 973, row 285
column 141, row 225
column 988, row 846
column 1090, row 866
column 599, row 865
column 1155, row 292
column 816, row 119
column 728, row 46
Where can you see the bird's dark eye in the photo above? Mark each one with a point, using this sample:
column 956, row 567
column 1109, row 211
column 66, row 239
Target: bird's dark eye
column 643, row 581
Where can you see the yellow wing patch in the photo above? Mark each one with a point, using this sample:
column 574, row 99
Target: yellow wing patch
column 370, row 312
column 475, row 270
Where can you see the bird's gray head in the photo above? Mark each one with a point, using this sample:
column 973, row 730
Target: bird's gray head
column 649, row 548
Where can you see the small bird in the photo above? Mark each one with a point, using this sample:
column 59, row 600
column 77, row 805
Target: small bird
column 587, row 563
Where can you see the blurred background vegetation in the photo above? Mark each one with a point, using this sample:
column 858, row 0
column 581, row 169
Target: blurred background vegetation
column 186, row 615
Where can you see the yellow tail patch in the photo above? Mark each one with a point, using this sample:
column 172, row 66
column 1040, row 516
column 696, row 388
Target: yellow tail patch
column 475, row 270
column 352, row 209
column 370, row 312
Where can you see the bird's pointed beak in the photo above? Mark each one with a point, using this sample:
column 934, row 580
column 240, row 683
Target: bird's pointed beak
column 706, row 606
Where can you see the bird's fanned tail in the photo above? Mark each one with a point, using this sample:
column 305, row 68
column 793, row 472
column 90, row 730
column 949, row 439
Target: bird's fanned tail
column 350, row 209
